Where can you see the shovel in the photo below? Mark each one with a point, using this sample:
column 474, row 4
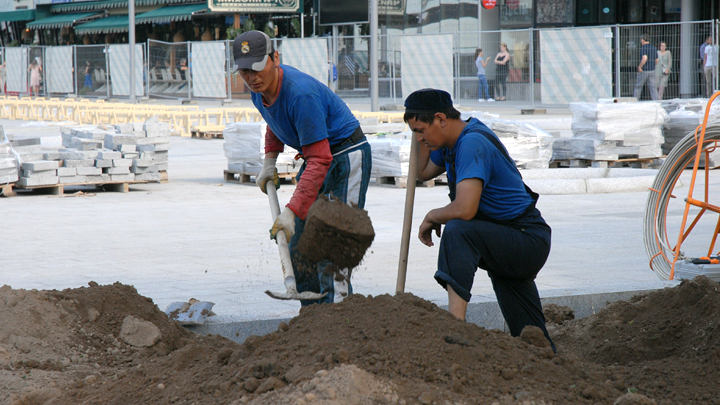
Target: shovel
column 193, row 312
column 292, row 293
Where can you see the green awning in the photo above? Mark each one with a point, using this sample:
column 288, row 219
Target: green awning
column 17, row 15
column 114, row 23
column 171, row 13
column 104, row 5
column 60, row 20
column 87, row 6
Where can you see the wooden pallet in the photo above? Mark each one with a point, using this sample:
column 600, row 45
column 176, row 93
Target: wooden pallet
column 232, row 176
column 207, row 131
column 401, row 181
column 59, row 189
column 7, row 190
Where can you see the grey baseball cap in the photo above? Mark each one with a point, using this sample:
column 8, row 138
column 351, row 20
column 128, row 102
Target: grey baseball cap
column 251, row 50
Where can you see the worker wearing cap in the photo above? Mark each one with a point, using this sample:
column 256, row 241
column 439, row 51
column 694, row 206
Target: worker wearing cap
column 305, row 114
column 491, row 221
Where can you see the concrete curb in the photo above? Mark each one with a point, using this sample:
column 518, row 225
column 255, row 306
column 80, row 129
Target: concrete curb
column 485, row 314
column 589, row 180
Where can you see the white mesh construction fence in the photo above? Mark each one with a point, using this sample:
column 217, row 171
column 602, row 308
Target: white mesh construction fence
column 16, row 67
column 576, row 65
column 307, row 55
column 427, row 61
column 59, row 69
column 208, row 70
column 120, row 70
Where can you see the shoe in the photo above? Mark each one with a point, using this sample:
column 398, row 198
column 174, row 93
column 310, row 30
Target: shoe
column 502, row 99
column 490, row 100
column 481, row 100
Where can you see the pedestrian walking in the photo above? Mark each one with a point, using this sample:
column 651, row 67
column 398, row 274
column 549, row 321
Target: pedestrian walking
column 646, row 69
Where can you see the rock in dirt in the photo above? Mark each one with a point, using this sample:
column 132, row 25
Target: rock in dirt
column 558, row 314
column 343, row 385
column 337, row 232
column 139, row 333
column 533, row 335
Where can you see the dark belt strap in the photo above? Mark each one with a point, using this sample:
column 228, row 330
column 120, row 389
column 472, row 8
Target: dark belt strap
column 353, row 139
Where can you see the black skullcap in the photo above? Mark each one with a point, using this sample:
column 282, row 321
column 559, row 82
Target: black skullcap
column 428, row 101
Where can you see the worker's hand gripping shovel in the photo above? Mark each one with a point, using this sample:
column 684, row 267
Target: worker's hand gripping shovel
column 282, row 242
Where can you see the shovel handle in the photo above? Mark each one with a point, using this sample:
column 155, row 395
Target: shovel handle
column 407, row 219
column 282, row 241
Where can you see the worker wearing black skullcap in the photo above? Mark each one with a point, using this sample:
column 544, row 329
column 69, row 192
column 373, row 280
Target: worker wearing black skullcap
column 491, row 221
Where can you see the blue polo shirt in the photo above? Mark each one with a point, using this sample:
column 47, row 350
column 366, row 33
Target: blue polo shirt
column 474, row 156
column 651, row 52
column 306, row 111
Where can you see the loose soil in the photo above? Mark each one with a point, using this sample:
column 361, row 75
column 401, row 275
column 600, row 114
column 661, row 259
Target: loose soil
column 337, row 232
column 109, row 345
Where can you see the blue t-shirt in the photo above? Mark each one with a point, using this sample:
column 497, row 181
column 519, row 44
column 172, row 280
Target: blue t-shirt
column 503, row 196
column 306, row 111
column 651, row 52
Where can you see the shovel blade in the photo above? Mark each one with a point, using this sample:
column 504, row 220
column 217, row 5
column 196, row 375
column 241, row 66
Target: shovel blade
column 294, row 295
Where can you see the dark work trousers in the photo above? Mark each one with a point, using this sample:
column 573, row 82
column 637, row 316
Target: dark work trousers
column 511, row 254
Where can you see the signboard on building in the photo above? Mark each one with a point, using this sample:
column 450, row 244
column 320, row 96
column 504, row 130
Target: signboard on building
column 554, row 12
column 489, row 4
column 391, row 7
column 516, row 13
column 256, row 6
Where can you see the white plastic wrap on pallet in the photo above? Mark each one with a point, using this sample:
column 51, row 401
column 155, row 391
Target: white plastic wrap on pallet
column 613, row 121
column 9, row 165
column 390, row 155
column 245, row 148
column 529, row 146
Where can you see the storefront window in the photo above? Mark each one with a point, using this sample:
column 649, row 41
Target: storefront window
column 554, row 12
column 516, row 13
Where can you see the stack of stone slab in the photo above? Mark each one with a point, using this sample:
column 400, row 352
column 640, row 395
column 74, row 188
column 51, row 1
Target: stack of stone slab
column 372, row 125
column 96, row 155
column 39, row 173
column 8, row 164
column 244, row 145
column 610, row 131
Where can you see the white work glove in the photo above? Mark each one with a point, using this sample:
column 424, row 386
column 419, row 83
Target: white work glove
column 285, row 222
column 268, row 173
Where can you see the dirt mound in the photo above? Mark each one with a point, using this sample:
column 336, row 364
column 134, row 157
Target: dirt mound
column 109, row 345
column 673, row 322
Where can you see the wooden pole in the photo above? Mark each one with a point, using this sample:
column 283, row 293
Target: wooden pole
column 407, row 220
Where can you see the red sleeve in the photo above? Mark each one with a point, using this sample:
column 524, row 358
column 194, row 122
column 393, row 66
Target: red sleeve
column 318, row 158
column 272, row 143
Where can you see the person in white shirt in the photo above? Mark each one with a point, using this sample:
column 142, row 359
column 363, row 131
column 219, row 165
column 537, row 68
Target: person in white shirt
column 709, row 64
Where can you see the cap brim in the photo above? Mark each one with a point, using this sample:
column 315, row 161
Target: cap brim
column 253, row 63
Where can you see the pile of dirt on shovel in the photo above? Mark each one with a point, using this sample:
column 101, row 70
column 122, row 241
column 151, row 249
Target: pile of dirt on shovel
column 109, row 345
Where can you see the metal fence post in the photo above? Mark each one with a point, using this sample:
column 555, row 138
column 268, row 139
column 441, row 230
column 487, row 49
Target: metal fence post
column 229, row 67
column 188, row 75
column 44, row 61
column 107, row 70
column 531, row 73
column 76, row 69
column 618, row 84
